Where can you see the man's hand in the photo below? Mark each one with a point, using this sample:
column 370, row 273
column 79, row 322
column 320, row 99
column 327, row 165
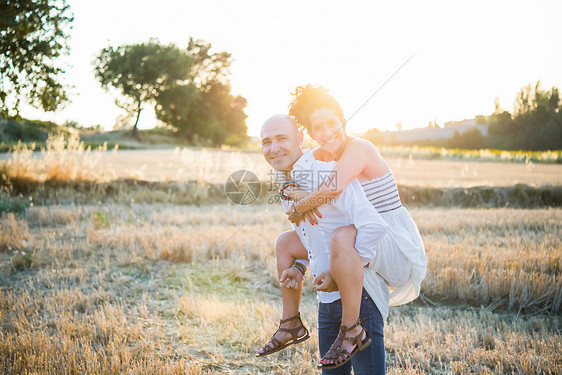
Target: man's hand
column 291, row 278
column 325, row 282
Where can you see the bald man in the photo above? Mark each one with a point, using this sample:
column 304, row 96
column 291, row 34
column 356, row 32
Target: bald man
column 281, row 146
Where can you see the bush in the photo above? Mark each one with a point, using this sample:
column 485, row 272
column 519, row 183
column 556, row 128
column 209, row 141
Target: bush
column 9, row 203
column 471, row 139
column 12, row 131
column 22, row 261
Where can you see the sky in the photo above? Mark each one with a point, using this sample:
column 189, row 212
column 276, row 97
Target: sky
column 465, row 54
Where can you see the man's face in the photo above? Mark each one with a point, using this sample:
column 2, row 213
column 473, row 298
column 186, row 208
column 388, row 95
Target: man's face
column 280, row 142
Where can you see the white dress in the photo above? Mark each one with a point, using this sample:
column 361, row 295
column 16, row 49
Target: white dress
column 400, row 259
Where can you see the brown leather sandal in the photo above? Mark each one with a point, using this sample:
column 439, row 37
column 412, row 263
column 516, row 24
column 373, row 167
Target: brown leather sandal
column 277, row 345
column 339, row 355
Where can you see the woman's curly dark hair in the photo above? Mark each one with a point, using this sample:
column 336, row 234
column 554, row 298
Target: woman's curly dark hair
column 309, row 98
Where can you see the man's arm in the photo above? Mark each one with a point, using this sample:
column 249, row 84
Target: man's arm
column 370, row 225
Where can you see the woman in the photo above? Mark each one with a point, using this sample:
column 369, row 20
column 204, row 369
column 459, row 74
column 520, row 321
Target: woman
column 320, row 114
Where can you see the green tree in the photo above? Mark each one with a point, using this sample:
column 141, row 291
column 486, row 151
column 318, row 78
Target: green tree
column 534, row 109
column 531, row 100
column 228, row 111
column 471, row 139
column 481, row 119
column 535, row 125
column 208, row 68
column 141, row 72
column 501, row 124
column 213, row 114
column 205, row 106
column 181, row 108
column 33, row 34
column 552, row 132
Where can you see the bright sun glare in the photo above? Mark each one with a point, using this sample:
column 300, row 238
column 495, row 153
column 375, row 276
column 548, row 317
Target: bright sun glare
column 466, row 54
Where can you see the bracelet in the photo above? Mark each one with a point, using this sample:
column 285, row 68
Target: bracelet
column 289, row 183
column 286, row 184
column 300, row 267
column 283, row 196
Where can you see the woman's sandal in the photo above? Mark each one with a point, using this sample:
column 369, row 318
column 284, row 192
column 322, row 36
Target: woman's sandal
column 339, row 355
column 277, row 345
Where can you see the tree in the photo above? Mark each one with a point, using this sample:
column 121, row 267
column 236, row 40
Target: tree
column 189, row 87
column 535, row 125
column 501, row 124
column 227, row 110
column 208, row 68
column 481, row 119
column 497, row 107
column 530, row 100
column 181, row 108
column 471, row 139
column 33, row 34
column 214, row 114
column 141, row 72
column 205, row 106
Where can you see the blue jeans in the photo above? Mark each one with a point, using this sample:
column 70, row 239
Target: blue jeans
column 367, row 361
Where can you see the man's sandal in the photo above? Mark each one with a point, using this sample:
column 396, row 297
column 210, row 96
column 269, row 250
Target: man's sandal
column 338, row 354
column 275, row 345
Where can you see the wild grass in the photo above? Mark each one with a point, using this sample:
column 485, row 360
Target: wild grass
column 20, row 194
column 64, row 158
column 497, row 258
column 165, row 289
column 14, row 232
column 68, row 159
column 526, row 157
column 120, row 279
column 67, row 172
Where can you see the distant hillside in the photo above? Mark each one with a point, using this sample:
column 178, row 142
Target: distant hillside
column 12, row 131
column 433, row 133
column 36, row 132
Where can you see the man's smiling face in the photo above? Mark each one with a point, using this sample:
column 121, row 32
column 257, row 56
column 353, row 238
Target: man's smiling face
column 280, row 142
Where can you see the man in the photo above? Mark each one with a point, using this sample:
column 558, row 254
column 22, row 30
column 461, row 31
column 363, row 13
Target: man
column 281, row 141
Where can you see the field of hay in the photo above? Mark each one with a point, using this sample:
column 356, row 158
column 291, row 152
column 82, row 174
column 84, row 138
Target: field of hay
column 156, row 288
column 68, row 159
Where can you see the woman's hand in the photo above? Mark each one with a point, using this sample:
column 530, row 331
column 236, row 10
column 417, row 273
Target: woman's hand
column 295, row 194
column 296, row 218
column 325, row 282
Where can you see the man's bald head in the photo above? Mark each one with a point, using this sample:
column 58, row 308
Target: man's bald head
column 280, row 120
column 281, row 140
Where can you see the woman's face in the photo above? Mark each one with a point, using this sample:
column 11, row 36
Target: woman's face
column 327, row 130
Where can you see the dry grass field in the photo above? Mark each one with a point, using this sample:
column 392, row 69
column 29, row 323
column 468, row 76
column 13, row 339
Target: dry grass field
column 155, row 288
column 167, row 289
column 70, row 160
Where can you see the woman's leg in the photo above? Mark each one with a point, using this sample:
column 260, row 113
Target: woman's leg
column 346, row 268
column 288, row 248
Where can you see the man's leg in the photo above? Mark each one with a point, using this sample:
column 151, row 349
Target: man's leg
column 329, row 320
column 371, row 360
column 288, row 248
